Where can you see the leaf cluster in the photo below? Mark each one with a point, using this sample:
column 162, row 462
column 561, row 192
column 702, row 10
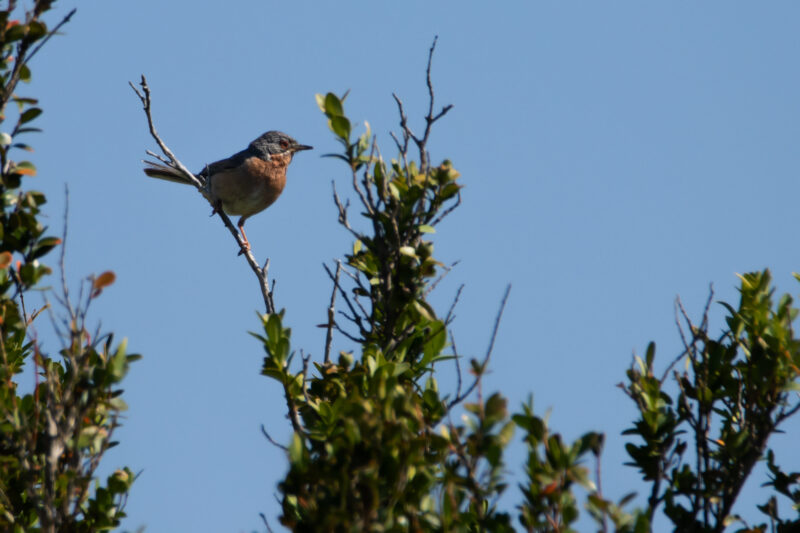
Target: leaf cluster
column 699, row 444
column 375, row 446
column 52, row 438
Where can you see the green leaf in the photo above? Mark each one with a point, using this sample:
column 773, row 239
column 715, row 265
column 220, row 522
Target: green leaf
column 44, row 246
column 333, row 106
column 320, row 101
column 15, row 33
column 296, row 450
column 119, row 362
column 36, row 30
column 273, row 328
column 25, row 73
column 651, row 354
column 408, row 251
column 341, row 127
column 29, row 114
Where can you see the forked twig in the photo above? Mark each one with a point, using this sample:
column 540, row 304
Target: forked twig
column 485, row 363
column 173, row 162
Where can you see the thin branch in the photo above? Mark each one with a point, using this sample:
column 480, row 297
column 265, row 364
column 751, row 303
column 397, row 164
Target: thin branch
column 346, row 334
column 157, row 156
column 50, row 34
column 458, row 399
column 173, row 162
column 332, row 314
column 294, row 416
column 599, row 478
column 342, row 208
column 458, row 367
column 444, row 274
column 369, row 202
column 448, row 210
column 430, row 118
column 688, row 346
column 144, row 96
column 449, row 318
column 266, row 524
column 271, row 440
column 356, row 318
column 62, row 259
column 306, row 359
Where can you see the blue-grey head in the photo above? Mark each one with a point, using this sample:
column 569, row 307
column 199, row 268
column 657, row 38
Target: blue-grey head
column 276, row 143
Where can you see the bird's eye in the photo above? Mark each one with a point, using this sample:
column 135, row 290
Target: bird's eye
column 284, row 144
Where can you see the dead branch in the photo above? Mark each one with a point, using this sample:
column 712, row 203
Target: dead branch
column 173, row 162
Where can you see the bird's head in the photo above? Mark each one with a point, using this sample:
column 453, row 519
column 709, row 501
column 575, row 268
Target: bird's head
column 276, row 143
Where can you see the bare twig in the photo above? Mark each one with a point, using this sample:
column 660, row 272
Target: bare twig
column 357, row 280
column 688, row 347
column 173, row 162
column 356, row 319
column 444, row 274
column 157, row 156
column 266, row 524
column 407, row 133
column 599, row 477
column 50, row 34
column 456, row 358
column 332, row 313
column 449, row 317
column 306, row 360
column 459, row 398
column 342, row 208
column 369, row 201
column 271, row 440
column 62, row 259
column 449, row 210
column 430, row 118
column 144, row 96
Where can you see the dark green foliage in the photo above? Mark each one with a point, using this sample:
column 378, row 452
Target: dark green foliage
column 51, row 439
column 375, row 447
column 372, row 447
column 700, row 444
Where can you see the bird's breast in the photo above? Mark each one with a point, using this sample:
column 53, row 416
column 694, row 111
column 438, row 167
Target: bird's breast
column 251, row 187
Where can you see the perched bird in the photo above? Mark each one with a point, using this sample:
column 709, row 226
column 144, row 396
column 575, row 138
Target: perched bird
column 245, row 183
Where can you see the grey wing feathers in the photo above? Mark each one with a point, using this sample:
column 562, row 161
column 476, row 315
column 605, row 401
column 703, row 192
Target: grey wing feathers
column 163, row 172
column 225, row 164
column 157, row 170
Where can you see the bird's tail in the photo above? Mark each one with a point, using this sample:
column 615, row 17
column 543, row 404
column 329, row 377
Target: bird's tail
column 163, row 172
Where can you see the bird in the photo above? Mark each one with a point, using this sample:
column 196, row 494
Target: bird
column 245, row 183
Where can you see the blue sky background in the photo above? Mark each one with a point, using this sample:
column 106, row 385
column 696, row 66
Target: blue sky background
column 614, row 155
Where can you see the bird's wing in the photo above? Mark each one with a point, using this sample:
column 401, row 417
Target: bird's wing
column 234, row 161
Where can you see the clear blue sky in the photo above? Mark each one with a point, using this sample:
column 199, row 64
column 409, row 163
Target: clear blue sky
column 614, row 155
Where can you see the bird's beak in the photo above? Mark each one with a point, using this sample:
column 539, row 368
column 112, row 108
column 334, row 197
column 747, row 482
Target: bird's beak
column 301, row 147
